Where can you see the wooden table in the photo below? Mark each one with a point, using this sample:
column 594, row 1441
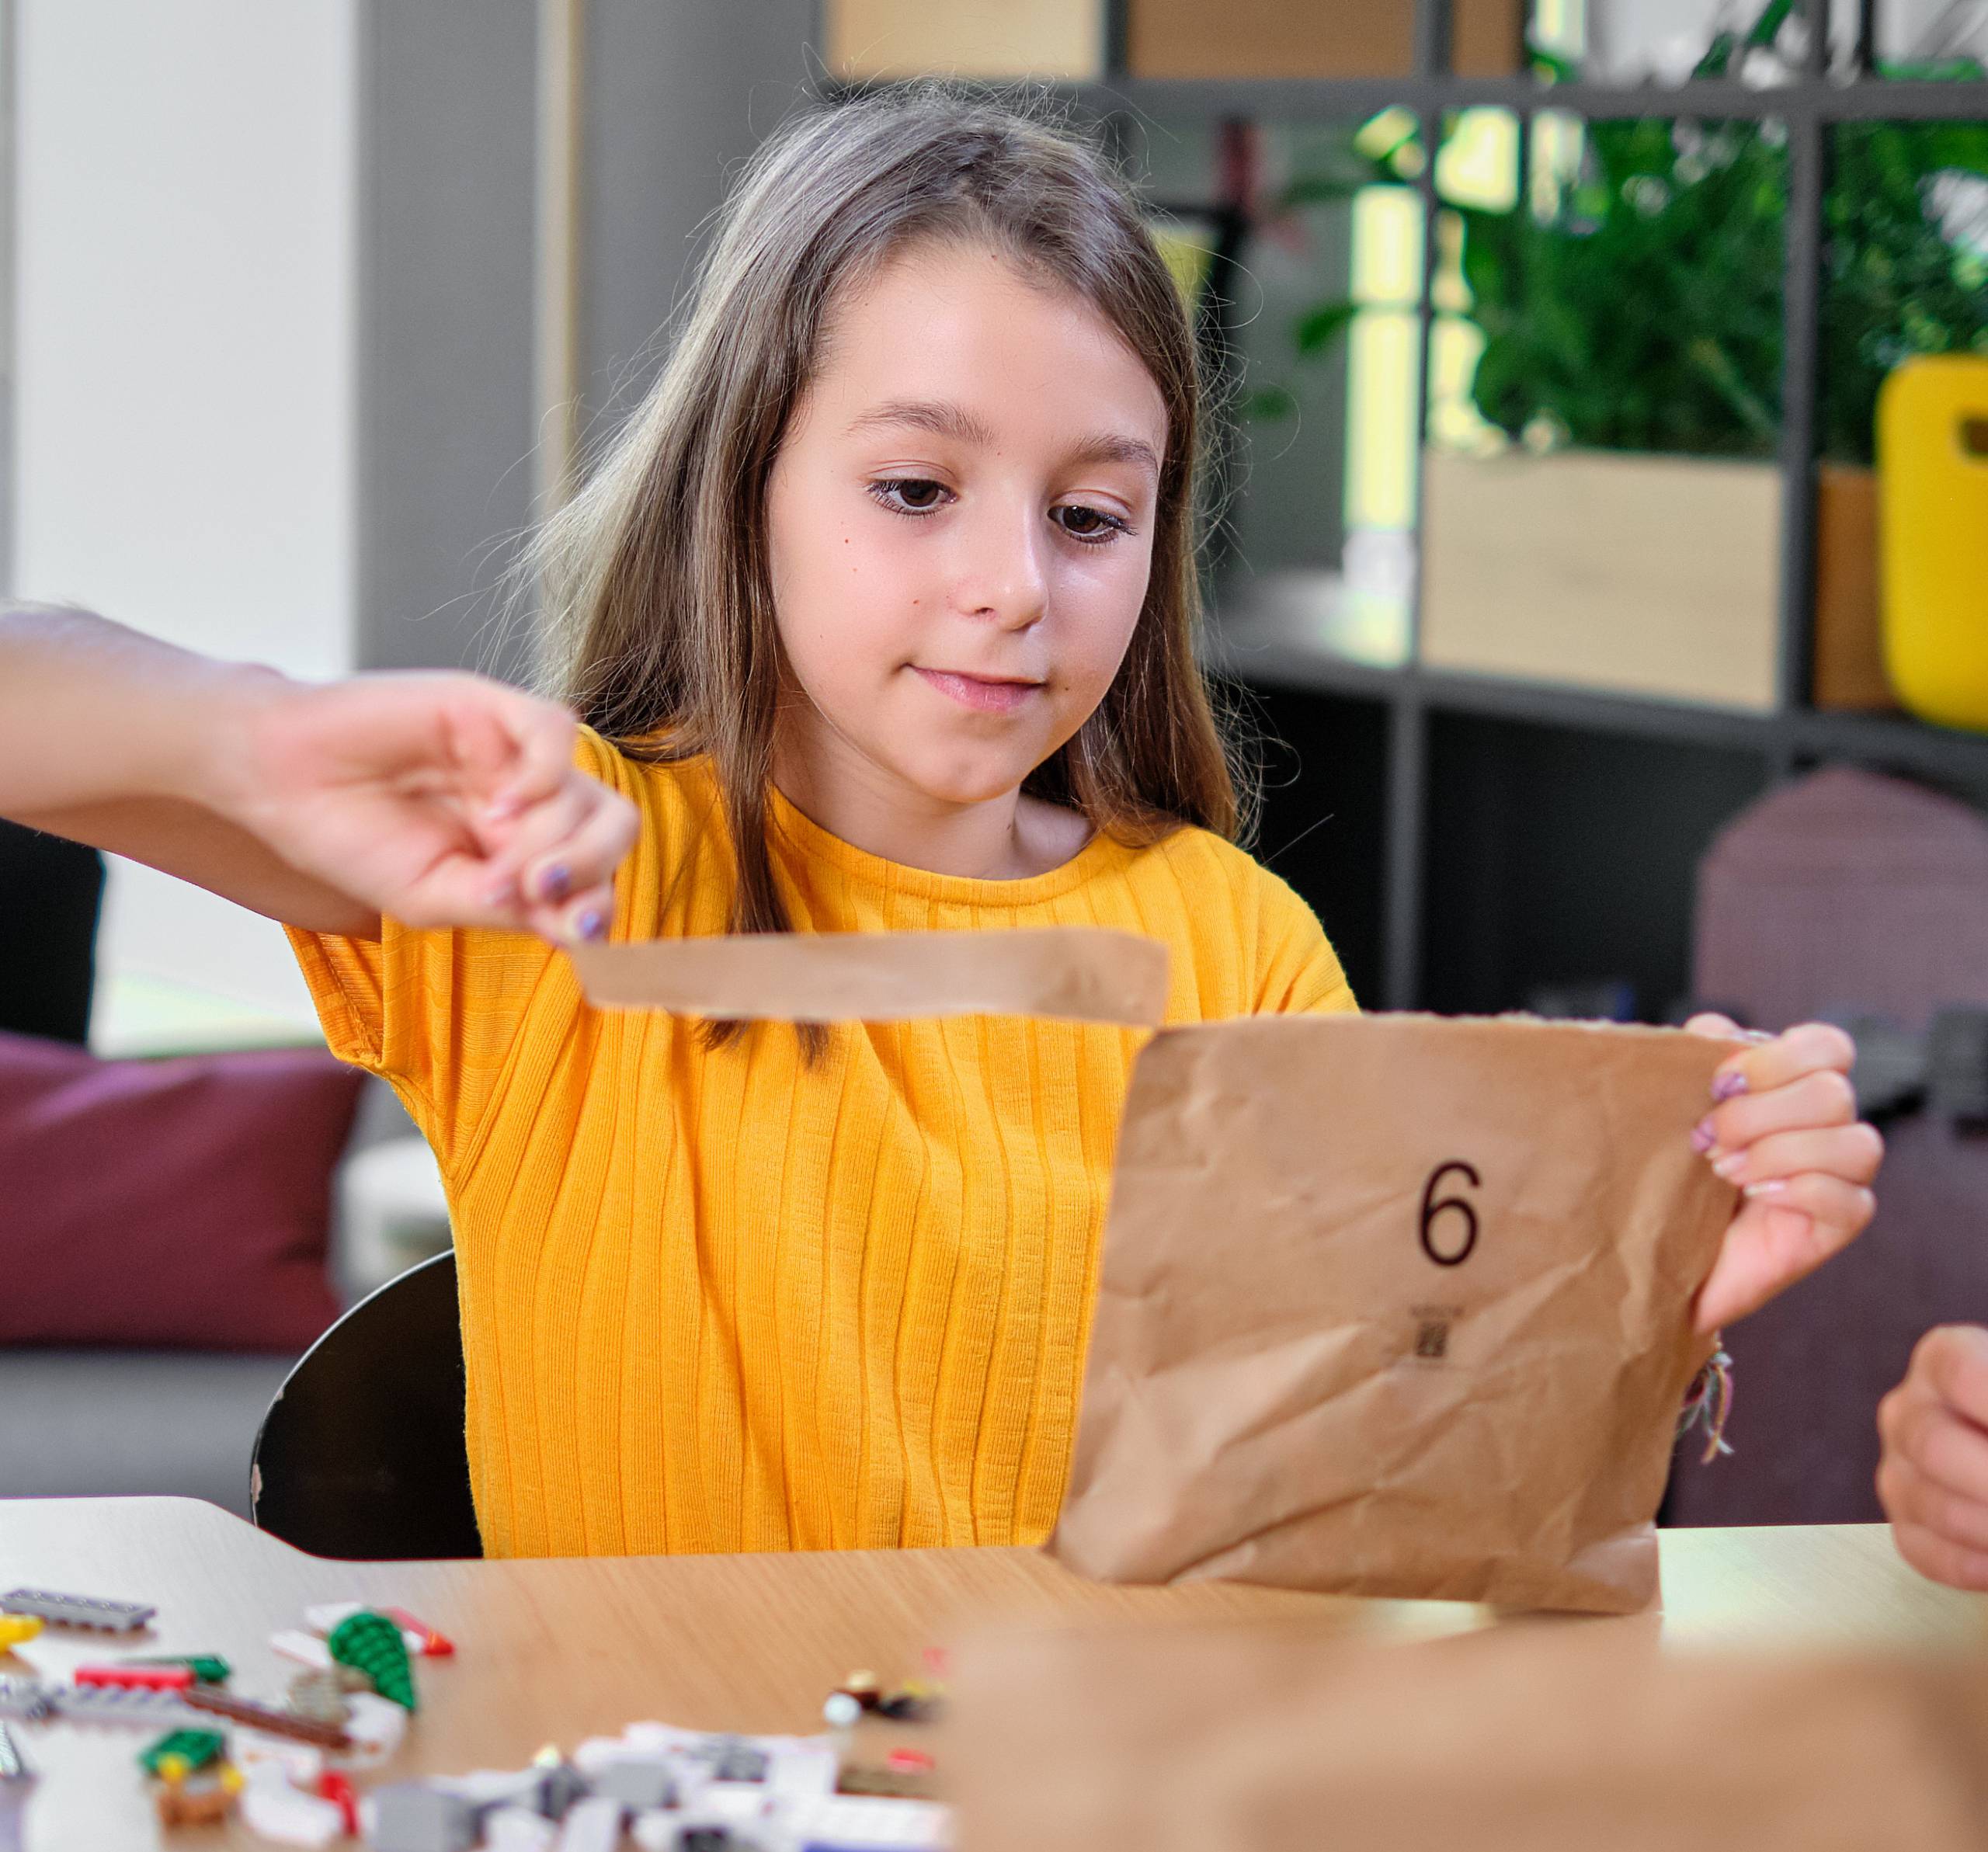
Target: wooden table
column 554, row 1651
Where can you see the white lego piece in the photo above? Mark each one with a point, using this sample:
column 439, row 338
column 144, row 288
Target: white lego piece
column 376, row 1726
column 493, row 1787
column 869, row 1823
column 518, row 1829
column 306, row 1648
column 593, row 1825
column 732, row 1803
column 271, row 1809
column 252, row 1750
column 802, row 1769
column 656, row 1830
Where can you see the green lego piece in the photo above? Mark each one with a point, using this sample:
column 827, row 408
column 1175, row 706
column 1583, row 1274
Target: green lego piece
column 373, row 1644
column 197, row 1748
column 208, row 1668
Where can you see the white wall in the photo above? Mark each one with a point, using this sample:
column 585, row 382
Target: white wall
column 185, row 305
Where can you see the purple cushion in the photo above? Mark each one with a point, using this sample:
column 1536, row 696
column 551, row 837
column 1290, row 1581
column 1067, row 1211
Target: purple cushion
column 183, row 1203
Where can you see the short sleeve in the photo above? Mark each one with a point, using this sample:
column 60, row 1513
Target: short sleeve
column 443, row 1015
column 1298, row 973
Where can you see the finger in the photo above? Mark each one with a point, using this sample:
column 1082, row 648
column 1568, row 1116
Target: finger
column 602, row 831
column 542, row 735
column 537, row 839
column 1709, row 1022
column 1806, row 1049
column 1940, row 1558
column 1910, row 1497
column 1822, row 1098
column 1940, row 1448
column 1775, row 1241
column 1952, row 1361
column 1851, row 1153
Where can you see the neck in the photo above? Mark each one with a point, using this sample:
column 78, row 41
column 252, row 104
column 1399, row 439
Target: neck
column 850, row 797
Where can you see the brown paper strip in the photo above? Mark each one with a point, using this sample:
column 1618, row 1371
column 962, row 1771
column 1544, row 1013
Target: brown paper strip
column 1080, row 972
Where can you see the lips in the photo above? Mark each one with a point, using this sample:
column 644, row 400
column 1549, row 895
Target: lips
column 984, row 694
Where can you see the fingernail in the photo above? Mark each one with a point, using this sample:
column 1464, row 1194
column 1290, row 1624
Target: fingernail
column 556, row 881
column 1728, row 1084
column 592, row 924
column 1703, row 1136
column 501, row 810
column 1773, row 1186
column 500, row 894
column 1730, row 1165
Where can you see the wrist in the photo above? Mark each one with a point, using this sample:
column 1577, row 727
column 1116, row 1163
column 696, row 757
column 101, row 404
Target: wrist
column 226, row 769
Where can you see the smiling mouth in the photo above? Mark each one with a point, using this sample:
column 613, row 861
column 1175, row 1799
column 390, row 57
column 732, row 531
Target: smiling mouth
column 984, row 694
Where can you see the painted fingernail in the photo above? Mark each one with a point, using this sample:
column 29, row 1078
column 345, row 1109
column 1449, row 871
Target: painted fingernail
column 556, row 882
column 592, row 924
column 1703, row 1136
column 1773, row 1186
column 1730, row 1165
column 1728, row 1084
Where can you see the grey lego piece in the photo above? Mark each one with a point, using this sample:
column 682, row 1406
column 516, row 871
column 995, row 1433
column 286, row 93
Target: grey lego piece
column 638, row 1783
column 16, row 1785
column 415, row 1816
column 77, row 1610
column 593, row 1825
column 34, row 1699
column 735, row 1761
column 559, row 1789
column 13, row 1765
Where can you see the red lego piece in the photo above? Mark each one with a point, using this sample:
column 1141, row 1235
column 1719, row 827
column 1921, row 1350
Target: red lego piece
column 141, row 1678
column 434, row 1646
column 910, row 1762
column 338, row 1789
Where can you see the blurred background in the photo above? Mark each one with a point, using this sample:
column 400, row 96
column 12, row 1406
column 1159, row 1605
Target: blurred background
column 1598, row 560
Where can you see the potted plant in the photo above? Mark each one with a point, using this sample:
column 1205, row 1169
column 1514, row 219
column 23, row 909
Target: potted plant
column 1617, row 520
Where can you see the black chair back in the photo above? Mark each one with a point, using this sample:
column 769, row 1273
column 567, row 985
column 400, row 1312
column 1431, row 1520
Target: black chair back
column 361, row 1454
column 50, row 893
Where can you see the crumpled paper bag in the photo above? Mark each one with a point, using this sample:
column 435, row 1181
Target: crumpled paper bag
column 1398, row 1305
column 1535, row 1737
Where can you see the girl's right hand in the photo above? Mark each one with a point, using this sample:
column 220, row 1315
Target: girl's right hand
column 445, row 800
column 1933, row 1477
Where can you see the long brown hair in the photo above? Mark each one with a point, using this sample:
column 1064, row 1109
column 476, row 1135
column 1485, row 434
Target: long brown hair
column 657, row 594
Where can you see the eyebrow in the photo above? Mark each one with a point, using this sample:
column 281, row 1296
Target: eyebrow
column 945, row 420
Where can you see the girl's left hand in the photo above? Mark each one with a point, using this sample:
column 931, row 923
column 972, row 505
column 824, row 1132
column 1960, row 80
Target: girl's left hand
column 1784, row 1127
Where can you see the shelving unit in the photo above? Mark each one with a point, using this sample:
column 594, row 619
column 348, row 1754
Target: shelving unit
column 1428, row 814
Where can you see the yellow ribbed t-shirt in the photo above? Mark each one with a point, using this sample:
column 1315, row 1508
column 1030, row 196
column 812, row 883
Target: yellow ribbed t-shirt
column 726, row 1301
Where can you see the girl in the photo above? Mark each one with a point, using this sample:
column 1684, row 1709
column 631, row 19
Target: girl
column 879, row 615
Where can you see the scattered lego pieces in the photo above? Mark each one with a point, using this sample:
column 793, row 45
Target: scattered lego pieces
column 273, row 1807
column 136, row 1678
column 208, row 1668
column 77, row 1610
column 638, row 1782
column 17, row 1630
column 301, row 1764
column 373, row 1643
column 903, row 1784
column 266, row 1717
column 195, row 1749
column 910, row 1762
column 865, row 1687
column 917, row 1701
column 842, row 1711
column 848, row 1823
column 34, row 1699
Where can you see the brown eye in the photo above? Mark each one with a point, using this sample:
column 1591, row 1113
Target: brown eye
column 1091, row 524
column 920, row 495
column 910, row 495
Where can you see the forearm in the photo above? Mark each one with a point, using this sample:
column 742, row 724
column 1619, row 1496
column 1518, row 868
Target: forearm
column 94, row 717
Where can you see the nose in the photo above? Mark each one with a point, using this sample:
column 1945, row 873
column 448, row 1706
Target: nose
column 1001, row 572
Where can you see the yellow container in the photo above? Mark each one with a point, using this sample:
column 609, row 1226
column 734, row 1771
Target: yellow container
column 1933, row 489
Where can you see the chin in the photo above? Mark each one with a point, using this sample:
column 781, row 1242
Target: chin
column 968, row 781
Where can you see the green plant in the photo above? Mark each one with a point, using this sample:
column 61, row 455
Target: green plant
column 1642, row 311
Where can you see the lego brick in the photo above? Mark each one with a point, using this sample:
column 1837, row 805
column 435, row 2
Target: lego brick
column 418, row 1816
column 77, row 1610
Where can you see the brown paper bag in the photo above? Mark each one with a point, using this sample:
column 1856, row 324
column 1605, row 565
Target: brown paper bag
column 1539, row 1737
column 1394, row 1305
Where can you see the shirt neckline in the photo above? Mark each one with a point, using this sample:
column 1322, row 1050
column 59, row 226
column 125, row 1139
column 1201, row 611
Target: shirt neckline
column 875, row 871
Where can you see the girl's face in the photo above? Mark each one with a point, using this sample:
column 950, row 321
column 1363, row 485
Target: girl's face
column 959, row 526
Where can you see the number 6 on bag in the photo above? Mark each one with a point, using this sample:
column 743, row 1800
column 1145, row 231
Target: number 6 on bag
column 1397, row 1306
